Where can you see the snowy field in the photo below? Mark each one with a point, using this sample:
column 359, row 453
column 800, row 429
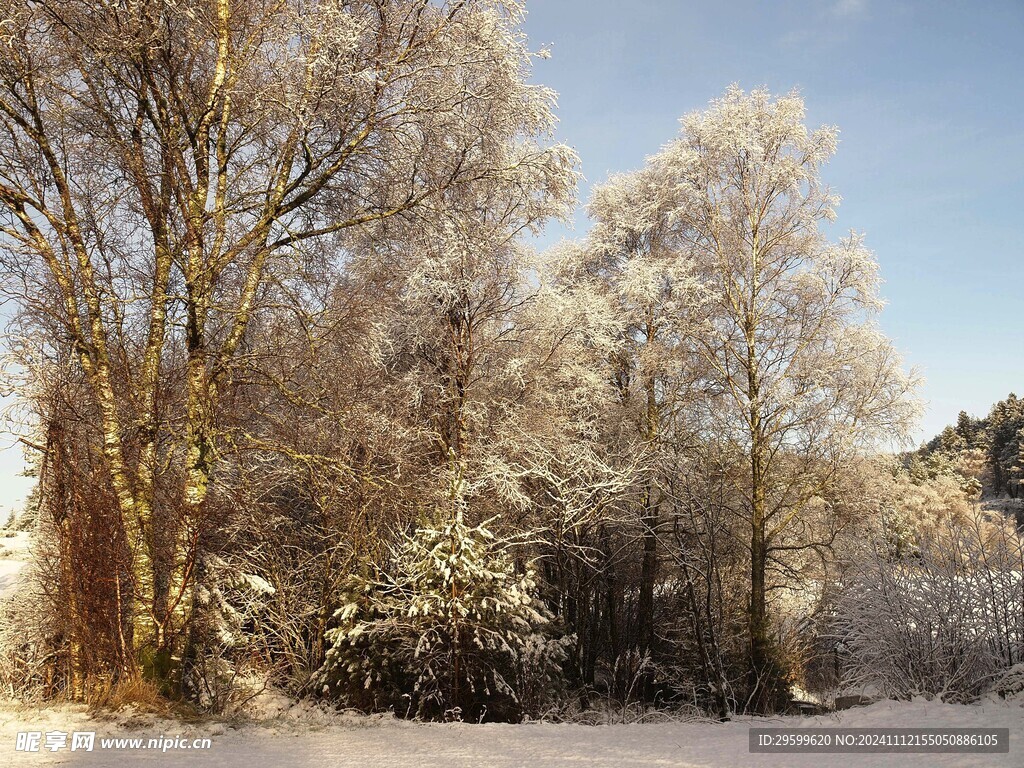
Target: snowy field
column 342, row 740
column 13, row 557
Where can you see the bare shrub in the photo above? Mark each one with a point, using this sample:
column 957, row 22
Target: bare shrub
column 942, row 620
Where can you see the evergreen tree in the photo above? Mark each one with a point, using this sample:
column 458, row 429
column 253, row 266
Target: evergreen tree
column 967, row 429
column 448, row 630
column 1005, row 439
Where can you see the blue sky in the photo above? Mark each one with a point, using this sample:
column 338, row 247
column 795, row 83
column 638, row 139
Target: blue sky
column 929, row 101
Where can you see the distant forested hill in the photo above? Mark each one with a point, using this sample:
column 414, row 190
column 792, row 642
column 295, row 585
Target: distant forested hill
column 989, row 450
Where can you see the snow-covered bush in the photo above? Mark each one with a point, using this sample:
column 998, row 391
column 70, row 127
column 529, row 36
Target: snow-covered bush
column 223, row 635
column 943, row 619
column 1010, row 684
column 448, row 629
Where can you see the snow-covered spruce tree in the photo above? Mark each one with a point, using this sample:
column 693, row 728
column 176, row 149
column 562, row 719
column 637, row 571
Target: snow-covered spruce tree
column 448, row 629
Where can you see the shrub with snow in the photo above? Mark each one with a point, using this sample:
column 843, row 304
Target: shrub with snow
column 942, row 620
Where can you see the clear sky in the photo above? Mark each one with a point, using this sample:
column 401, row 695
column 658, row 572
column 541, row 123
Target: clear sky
column 929, row 100
column 930, row 103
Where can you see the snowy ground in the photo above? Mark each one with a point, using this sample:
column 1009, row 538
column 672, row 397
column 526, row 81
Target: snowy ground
column 13, row 557
column 363, row 741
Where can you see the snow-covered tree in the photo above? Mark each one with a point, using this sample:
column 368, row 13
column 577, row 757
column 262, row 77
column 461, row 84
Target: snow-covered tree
column 448, row 628
column 1006, row 444
column 641, row 293
column 802, row 376
column 745, row 325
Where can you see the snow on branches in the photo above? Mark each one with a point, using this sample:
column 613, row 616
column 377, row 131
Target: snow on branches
column 447, row 629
